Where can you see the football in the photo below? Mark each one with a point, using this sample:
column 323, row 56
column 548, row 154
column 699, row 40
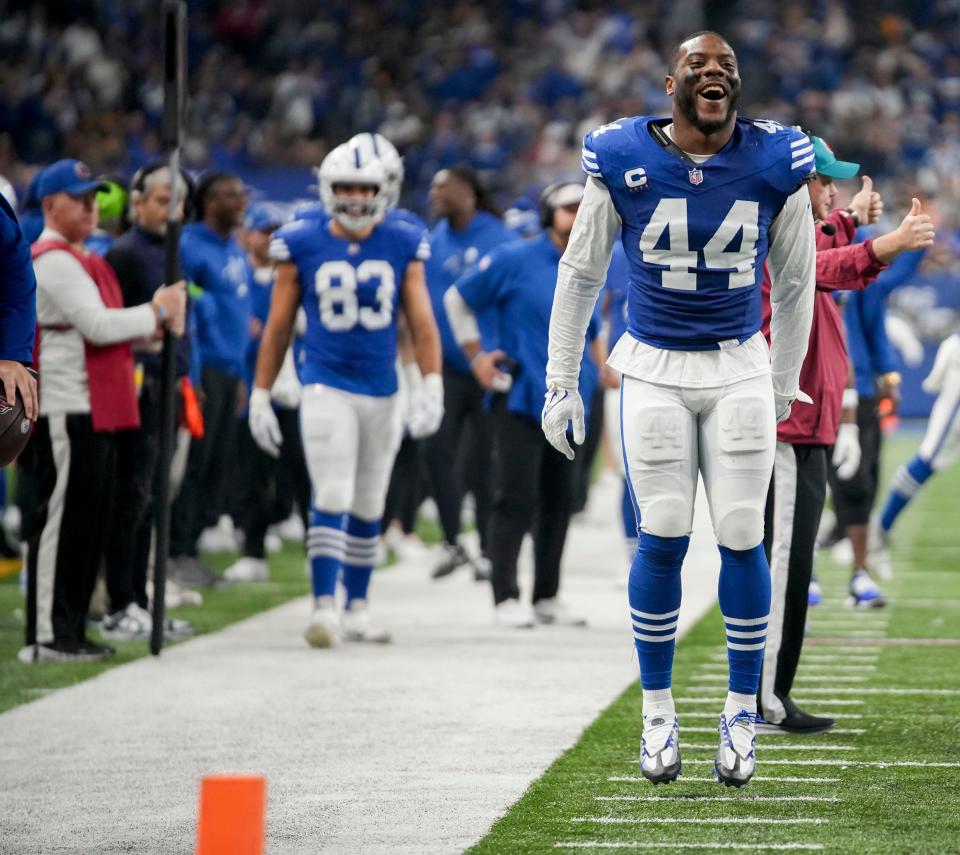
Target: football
column 15, row 428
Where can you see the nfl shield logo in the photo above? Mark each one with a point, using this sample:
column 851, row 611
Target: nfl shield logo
column 696, row 176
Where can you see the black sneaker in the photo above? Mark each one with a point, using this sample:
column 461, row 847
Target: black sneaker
column 59, row 651
column 796, row 721
column 188, row 571
column 454, row 556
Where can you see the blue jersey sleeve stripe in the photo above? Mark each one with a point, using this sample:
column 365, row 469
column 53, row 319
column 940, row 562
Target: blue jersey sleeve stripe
column 800, row 152
column 798, row 163
column 591, row 170
column 804, row 140
column 588, row 155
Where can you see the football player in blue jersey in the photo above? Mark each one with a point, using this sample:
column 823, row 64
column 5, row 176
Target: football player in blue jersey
column 352, row 273
column 700, row 201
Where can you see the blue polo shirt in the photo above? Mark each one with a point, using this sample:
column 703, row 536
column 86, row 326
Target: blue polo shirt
column 452, row 254
column 218, row 267
column 516, row 284
column 18, row 294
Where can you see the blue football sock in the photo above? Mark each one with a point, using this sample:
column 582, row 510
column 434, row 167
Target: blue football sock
column 326, row 542
column 905, row 485
column 744, row 594
column 654, row 590
column 361, row 555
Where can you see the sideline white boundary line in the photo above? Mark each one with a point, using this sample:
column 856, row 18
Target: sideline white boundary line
column 801, row 746
column 688, row 714
column 839, row 731
column 717, row 700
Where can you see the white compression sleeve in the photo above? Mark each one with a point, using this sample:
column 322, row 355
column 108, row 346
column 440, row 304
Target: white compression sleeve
column 793, row 268
column 582, row 272
column 463, row 322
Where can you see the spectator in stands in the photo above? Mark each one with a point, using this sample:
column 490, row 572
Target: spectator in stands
column 88, row 395
column 468, row 229
column 216, row 265
column 137, row 258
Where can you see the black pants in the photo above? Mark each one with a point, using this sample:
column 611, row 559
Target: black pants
column 853, row 499
column 201, row 499
column 406, row 486
column 458, row 455
column 131, row 523
column 532, row 492
column 587, row 453
column 267, row 483
column 794, row 504
column 71, row 468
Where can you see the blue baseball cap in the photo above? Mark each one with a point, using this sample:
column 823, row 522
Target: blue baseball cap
column 264, row 217
column 72, row 177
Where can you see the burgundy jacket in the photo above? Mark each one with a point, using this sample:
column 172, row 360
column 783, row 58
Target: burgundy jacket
column 841, row 266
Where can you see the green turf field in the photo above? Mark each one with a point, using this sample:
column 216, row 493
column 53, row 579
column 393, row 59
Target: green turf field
column 894, row 689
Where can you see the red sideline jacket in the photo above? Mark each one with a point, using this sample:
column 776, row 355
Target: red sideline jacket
column 841, row 266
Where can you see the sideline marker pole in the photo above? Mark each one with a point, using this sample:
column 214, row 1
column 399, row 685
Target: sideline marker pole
column 174, row 72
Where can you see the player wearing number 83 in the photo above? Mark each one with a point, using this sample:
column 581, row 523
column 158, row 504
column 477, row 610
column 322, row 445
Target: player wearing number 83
column 352, row 272
column 700, row 201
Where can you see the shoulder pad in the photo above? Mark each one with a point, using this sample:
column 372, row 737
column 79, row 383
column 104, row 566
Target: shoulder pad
column 791, row 153
column 604, row 147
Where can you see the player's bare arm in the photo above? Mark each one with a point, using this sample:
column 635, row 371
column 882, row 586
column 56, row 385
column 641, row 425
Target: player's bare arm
column 279, row 328
column 419, row 314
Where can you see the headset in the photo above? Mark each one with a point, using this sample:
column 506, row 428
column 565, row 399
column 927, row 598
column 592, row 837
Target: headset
column 138, row 184
column 545, row 202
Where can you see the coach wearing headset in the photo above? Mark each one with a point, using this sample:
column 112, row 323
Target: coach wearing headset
column 137, row 257
column 533, row 483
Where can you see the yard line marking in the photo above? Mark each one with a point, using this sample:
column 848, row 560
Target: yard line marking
column 723, row 820
column 633, row 779
column 717, row 700
column 803, row 677
column 928, row 604
column 844, row 731
column 872, row 764
column 682, row 798
column 859, row 690
column 847, row 643
column 799, row 747
column 816, row 666
column 670, row 845
column 688, row 714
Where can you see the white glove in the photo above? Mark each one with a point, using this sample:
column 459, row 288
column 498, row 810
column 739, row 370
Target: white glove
column 427, row 412
column 948, row 358
column 563, row 406
column 846, row 451
column 782, row 404
column 264, row 426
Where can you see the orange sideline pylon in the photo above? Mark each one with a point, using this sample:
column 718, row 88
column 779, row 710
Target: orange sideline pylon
column 231, row 818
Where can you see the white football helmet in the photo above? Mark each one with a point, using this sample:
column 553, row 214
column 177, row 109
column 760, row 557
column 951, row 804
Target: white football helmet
column 378, row 146
column 348, row 164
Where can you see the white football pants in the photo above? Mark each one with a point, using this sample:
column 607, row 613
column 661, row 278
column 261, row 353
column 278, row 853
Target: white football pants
column 941, row 442
column 350, row 442
column 728, row 434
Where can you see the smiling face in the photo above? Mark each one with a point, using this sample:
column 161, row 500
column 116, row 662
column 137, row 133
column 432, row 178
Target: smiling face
column 705, row 83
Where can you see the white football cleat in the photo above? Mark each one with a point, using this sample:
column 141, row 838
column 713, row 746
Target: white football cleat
column 514, row 615
column 357, row 627
column 660, row 749
column 864, row 592
column 554, row 611
column 248, row 569
column 324, row 627
column 221, row 537
column 736, row 756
